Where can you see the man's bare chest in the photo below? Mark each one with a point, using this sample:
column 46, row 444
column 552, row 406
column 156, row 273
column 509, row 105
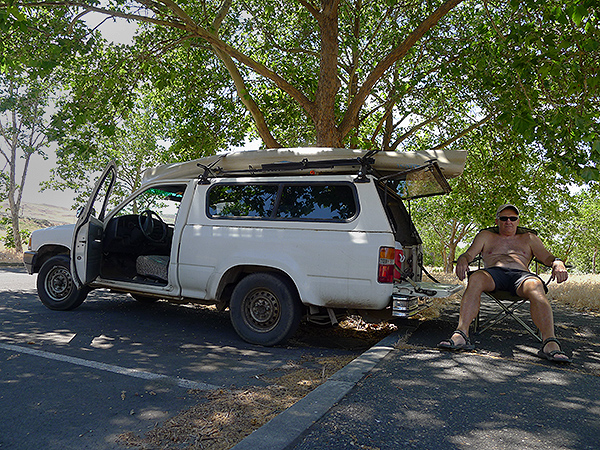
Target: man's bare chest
column 510, row 246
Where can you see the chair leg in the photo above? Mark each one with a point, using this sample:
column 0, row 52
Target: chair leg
column 476, row 324
column 507, row 311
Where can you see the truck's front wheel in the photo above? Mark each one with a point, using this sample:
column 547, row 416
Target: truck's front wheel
column 264, row 309
column 55, row 285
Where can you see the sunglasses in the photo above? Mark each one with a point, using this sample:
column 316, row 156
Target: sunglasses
column 511, row 218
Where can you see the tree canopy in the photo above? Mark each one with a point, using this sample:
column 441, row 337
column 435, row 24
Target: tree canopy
column 380, row 74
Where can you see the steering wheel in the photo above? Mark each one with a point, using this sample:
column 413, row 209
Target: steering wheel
column 151, row 227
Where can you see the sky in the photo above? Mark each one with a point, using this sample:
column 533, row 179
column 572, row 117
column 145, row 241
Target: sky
column 114, row 30
column 39, row 170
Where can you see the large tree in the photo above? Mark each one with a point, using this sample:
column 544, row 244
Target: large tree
column 22, row 135
column 28, row 58
column 390, row 75
column 581, row 231
column 136, row 145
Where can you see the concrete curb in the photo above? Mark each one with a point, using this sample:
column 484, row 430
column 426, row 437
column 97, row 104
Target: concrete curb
column 284, row 429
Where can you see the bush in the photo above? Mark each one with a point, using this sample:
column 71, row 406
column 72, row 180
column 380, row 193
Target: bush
column 9, row 241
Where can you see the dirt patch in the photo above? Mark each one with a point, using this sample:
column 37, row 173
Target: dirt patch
column 353, row 333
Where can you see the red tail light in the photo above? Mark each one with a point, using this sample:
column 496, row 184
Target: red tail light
column 385, row 271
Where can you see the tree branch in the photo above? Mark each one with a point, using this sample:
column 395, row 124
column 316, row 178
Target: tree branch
column 311, row 9
column 412, row 131
column 351, row 116
column 109, row 12
column 240, row 84
column 464, row 132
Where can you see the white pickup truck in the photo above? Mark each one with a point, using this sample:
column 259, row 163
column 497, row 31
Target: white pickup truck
column 274, row 235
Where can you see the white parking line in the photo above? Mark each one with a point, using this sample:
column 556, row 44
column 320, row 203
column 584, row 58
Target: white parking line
column 181, row 382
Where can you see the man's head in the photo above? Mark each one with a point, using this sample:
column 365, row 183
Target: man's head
column 507, row 219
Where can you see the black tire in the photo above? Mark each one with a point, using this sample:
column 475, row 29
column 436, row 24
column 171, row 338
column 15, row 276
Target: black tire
column 55, row 285
column 145, row 299
column 264, row 310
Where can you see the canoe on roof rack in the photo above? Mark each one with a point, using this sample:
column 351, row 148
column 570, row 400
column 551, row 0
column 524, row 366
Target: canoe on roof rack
column 308, row 160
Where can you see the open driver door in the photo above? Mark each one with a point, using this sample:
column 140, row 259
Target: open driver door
column 86, row 254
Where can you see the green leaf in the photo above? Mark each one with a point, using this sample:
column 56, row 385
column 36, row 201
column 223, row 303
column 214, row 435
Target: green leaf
column 590, row 174
column 16, row 13
column 578, row 14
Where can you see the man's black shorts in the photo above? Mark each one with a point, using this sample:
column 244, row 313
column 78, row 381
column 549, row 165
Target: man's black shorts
column 510, row 279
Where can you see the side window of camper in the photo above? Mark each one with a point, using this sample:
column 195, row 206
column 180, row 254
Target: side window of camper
column 328, row 202
column 242, row 201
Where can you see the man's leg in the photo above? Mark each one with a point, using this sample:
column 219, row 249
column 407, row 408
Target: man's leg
column 541, row 310
column 479, row 282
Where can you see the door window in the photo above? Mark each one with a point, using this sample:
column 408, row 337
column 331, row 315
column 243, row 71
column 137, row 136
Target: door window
column 164, row 200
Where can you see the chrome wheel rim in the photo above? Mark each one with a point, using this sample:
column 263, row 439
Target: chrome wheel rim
column 59, row 283
column 262, row 310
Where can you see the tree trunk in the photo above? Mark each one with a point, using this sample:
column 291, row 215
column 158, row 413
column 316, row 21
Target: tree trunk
column 350, row 120
column 10, row 132
column 16, row 230
column 324, row 116
column 450, row 257
column 14, row 202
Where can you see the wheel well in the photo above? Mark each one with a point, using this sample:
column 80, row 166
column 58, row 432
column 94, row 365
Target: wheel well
column 46, row 252
column 234, row 275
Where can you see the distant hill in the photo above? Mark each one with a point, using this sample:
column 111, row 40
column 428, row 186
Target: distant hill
column 44, row 215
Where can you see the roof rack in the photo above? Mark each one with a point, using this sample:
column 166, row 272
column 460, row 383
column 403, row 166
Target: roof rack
column 363, row 167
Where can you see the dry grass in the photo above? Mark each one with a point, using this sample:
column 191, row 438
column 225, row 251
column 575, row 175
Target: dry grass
column 439, row 304
column 223, row 418
column 8, row 256
column 33, row 216
column 581, row 292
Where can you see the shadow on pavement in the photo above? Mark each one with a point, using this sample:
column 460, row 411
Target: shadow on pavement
column 500, row 396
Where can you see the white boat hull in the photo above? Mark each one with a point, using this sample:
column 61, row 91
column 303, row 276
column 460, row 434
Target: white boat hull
column 451, row 162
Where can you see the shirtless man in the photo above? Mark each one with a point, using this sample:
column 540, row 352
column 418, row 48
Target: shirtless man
column 506, row 258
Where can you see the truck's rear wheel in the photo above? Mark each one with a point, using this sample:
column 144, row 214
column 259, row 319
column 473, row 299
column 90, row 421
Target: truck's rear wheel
column 55, row 285
column 264, row 309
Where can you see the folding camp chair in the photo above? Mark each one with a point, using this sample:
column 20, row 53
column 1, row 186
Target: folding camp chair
column 508, row 302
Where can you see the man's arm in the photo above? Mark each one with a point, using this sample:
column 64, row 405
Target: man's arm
column 559, row 271
column 462, row 263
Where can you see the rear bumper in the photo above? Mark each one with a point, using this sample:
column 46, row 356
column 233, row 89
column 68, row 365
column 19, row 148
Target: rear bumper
column 29, row 258
column 405, row 306
column 409, row 299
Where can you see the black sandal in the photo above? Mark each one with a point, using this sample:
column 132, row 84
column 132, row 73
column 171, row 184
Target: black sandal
column 551, row 356
column 450, row 345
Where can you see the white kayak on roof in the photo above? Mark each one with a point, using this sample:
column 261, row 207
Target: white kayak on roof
column 313, row 159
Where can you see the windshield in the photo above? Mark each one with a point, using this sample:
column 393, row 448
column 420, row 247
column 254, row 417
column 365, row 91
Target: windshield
column 164, row 200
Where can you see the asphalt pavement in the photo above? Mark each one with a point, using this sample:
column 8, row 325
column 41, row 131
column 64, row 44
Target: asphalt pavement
column 80, row 379
column 401, row 393
column 405, row 393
